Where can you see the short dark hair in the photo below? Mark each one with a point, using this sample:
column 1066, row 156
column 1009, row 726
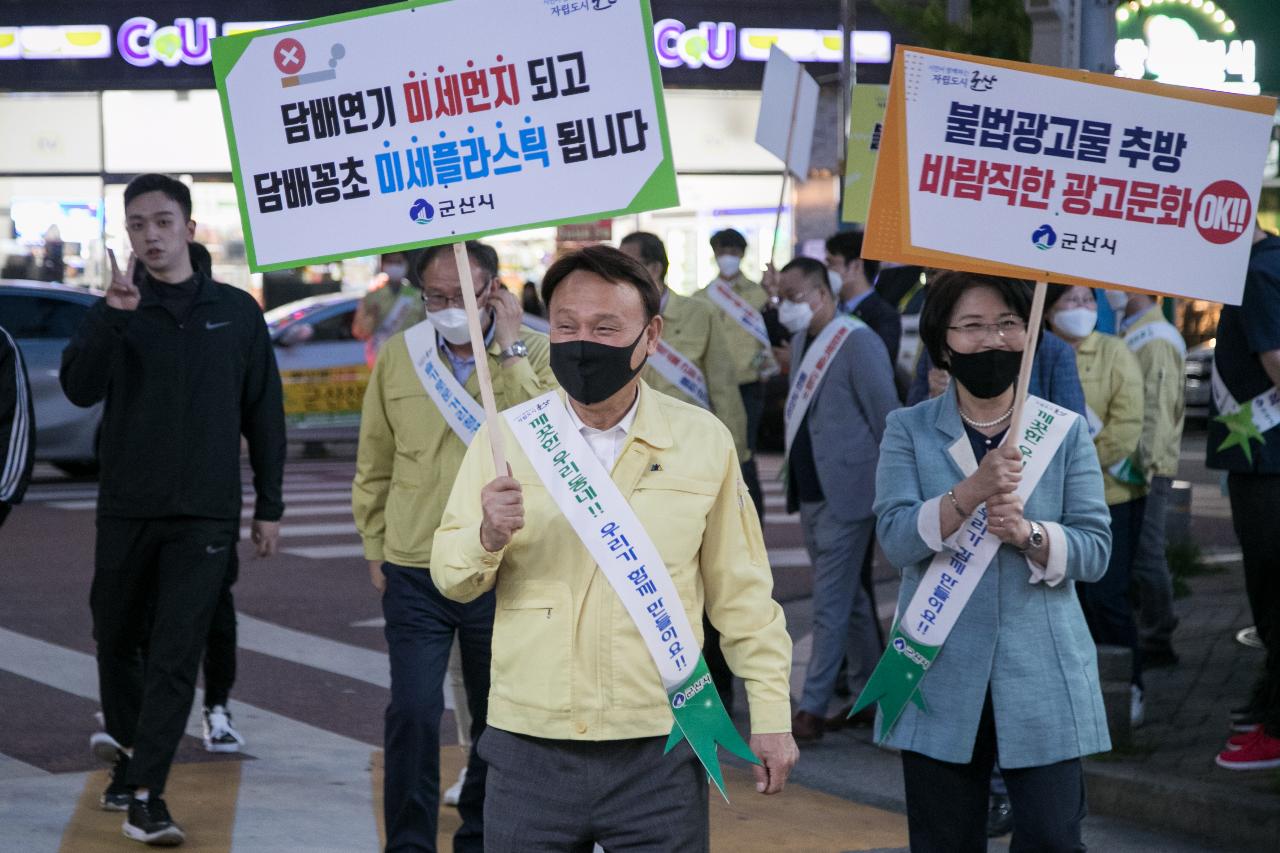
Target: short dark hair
column 612, row 265
column 155, row 183
column 729, row 238
column 481, row 254
column 1052, row 294
column 812, row 270
column 945, row 291
column 652, row 251
column 848, row 245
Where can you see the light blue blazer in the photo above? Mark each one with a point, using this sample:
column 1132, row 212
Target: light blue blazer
column 1027, row 641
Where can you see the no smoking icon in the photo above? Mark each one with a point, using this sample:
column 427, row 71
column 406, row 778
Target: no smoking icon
column 290, row 56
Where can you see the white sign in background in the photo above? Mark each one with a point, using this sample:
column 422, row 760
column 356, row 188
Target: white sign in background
column 788, row 111
column 383, row 50
column 1115, row 246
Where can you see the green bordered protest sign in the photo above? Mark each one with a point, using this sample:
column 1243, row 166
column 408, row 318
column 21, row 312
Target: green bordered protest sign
column 436, row 121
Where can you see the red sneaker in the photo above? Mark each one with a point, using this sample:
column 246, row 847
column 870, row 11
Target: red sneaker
column 1261, row 753
column 1240, row 741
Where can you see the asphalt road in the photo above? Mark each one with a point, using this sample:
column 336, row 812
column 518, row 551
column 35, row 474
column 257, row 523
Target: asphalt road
column 312, row 688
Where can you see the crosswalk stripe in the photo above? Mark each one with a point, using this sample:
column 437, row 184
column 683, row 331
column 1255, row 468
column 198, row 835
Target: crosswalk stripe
column 318, row 778
column 781, row 518
column 294, row 530
column 343, row 509
column 788, row 558
column 12, row 768
column 326, row 552
column 310, row 650
column 290, row 500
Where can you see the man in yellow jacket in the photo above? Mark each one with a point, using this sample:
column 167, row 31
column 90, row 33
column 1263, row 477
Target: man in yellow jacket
column 578, row 715
column 420, row 411
column 1161, row 353
column 738, row 301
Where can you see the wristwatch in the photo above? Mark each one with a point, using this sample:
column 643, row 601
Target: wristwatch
column 1036, row 539
column 516, row 350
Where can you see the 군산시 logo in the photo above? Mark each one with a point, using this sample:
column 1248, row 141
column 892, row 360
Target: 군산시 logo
column 1044, row 237
column 421, row 211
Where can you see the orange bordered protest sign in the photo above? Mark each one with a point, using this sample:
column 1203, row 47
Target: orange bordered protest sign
column 1053, row 174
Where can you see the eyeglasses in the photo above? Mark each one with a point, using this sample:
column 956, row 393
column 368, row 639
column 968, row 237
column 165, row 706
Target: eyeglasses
column 1004, row 328
column 436, row 302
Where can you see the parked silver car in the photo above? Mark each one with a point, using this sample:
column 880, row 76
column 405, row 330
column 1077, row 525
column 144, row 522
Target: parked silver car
column 1199, row 386
column 42, row 317
column 323, row 367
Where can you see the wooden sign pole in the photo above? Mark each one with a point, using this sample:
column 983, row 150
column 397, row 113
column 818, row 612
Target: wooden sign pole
column 496, row 443
column 1028, row 355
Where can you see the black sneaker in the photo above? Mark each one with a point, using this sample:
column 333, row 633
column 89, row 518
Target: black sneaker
column 117, row 795
column 150, row 823
column 999, row 816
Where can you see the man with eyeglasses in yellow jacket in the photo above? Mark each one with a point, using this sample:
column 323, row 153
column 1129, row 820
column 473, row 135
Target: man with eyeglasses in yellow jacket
column 420, row 412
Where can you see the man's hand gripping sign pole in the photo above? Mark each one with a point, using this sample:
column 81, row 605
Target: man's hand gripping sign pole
column 345, row 143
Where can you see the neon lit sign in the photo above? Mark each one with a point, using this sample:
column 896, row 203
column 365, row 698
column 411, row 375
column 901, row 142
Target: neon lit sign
column 1186, row 43
column 142, row 42
column 716, row 45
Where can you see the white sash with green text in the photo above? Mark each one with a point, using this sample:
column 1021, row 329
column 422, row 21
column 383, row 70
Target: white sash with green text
column 921, row 629
column 817, row 359
column 674, row 367
column 1157, row 331
column 739, row 310
column 460, row 410
column 616, row 539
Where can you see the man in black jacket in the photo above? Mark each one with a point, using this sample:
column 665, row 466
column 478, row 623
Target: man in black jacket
column 857, row 296
column 186, row 367
column 17, row 425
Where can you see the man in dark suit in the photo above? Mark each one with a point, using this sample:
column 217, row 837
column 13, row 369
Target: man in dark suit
column 857, row 295
column 836, row 414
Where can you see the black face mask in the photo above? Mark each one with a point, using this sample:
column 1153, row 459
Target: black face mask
column 590, row 372
column 988, row 373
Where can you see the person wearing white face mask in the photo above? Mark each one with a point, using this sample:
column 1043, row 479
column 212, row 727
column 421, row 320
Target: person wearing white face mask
column 389, row 307
column 739, row 302
column 420, row 413
column 1112, row 381
column 842, row 391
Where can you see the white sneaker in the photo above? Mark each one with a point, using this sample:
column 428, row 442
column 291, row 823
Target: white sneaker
column 219, row 735
column 1137, row 707
column 454, row 793
column 105, row 748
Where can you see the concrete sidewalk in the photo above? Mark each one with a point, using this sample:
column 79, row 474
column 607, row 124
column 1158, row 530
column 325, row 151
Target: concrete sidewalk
column 1168, row 779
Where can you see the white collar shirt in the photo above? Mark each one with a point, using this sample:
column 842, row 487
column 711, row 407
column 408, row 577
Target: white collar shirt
column 606, row 444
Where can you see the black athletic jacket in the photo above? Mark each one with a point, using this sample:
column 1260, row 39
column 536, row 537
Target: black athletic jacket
column 179, row 395
column 17, row 423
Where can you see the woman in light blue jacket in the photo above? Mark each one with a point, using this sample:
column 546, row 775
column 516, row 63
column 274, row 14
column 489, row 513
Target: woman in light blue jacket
column 1016, row 681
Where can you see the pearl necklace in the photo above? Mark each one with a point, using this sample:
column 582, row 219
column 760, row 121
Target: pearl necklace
column 984, row 424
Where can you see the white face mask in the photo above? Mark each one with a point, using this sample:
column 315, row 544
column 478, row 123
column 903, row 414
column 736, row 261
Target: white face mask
column 837, row 283
column 729, row 265
column 795, row 316
column 395, row 272
column 1075, row 322
column 1118, row 300
column 451, row 323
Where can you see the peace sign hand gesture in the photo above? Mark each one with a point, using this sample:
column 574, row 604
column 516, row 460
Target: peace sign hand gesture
column 123, row 293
